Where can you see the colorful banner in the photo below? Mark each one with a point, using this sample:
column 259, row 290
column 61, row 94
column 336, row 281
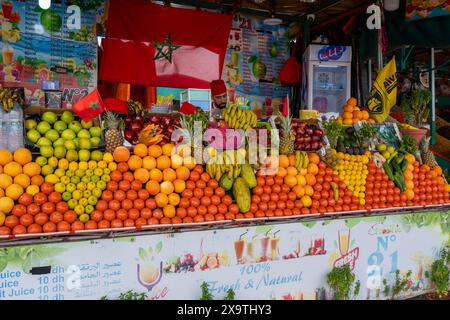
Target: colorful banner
column 420, row 9
column 58, row 44
column 280, row 261
column 255, row 55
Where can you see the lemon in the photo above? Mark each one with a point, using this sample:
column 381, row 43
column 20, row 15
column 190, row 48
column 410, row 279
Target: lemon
column 53, row 161
column 84, row 217
column 362, row 201
column 102, row 164
column 112, row 166
column 63, row 164
column 365, row 159
column 83, row 165
column 32, row 189
column 386, row 154
column 60, row 172
column 381, row 147
column 362, row 195
column 390, row 149
column 92, row 164
column 52, row 178
column 362, row 188
column 73, row 166
column 356, row 193
column 108, row 157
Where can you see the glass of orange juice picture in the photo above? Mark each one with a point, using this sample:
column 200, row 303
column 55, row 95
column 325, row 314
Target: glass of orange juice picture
column 344, row 241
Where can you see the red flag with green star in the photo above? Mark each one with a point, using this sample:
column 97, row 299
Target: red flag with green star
column 90, row 106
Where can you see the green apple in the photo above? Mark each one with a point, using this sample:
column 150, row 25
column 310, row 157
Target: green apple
column 81, row 186
column 98, row 172
column 87, row 193
column 85, row 143
column 84, row 134
column 67, row 117
column 66, row 196
column 84, row 155
column 43, row 141
column 86, row 125
column 60, row 172
column 84, row 218
column 97, row 192
column 68, row 134
column 89, row 172
column 101, row 185
column 76, row 141
column 71, row 187
column 91, row 185
column 75, row 126
column 96, row 155
column 75, row 180
column 52, row 135
column 80, row 173
column 60, row 126
column 49, row 117
column 95, row 132
column 65, row 180
column 92, row 200
column 43, row 127
column 72, row 155
column 106, row 171
column 33, row 135
column 60, row 187
column 42, row 161
column 53, row 161
column 70, row 145
column 70, row 173
column 86, row 179
column 60, row 152
column 95, row 142
column 46, row 151
column 46, row 170
column 106, row 178
column 30, row 124
column 89, row 208
column 59, row 143
column 72, row 204
column 77, row 194
column 95, row 178
column 79, row 209
column 83, row 202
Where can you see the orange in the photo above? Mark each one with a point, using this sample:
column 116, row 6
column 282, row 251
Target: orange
column 183, row 150
column 155, row 151
column 291, row 181
column 163, row 162
column 282, row 172
column 14, row 191
column 352, row 101
column 148, row 163
column 5, row 181
column 299, row 191
column 6, row 204
column 189, row 162
column 409, row 184
column 408, row 175
column 313, row 168
column 121, row 154
column 179, row 185
column 156, row 174
column 37, row 180
column 357, row 115
column 365, row 114
column 447, row 188
column 167, row 187
column 438, row 170
column 310, row 179
column 283, row 161
column 409, row 194
column 167, row 149
column 314, row 158
column 348, row 108
column 309, row 191
column 134, row 162
column 169, row 211
column 301, row 180
column 291, row 171
column 22, row 180
column 174, row 199
column 142, row 175
column 161, row 200
column 140, row 150
column 348, row 121
column 32, row 169
column 306, row 201
column 22, row 156
column 5, row 157
column 425, row 168
column 12, row 169
column 291, row 160
column 176, row 161
column 169, row 174
column 348, row 115
column 152, row 187
column 182, row 173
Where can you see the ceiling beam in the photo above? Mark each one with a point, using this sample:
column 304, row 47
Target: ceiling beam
column 321, row 7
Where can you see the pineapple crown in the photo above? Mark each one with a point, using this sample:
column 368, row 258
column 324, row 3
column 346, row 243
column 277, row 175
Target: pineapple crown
column 285, row 122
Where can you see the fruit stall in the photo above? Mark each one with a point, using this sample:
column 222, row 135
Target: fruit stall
column 97, row 202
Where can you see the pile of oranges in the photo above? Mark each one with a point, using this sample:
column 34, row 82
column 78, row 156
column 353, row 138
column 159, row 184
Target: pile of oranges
column 352, row 114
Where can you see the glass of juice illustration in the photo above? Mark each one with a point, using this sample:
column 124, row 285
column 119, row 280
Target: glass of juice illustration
column 274, row 243
column 231, row 94
column 235, row 58
column 149, row 275
column 7, row 54
column 250, row 247
column 239, row 249
column 6, row 28
column 264, row 245
column 7, row 7
column 344, row 241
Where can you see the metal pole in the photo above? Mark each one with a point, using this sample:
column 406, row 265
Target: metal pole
column 433, row 99
column 369, row 73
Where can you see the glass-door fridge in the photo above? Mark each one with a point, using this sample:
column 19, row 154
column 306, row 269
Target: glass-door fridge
column 326, row 78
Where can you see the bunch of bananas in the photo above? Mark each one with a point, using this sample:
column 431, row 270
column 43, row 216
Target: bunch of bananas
column 301, row 160
column 8, row 97
column 136, row 108
column 227, row 162
column 238, row 118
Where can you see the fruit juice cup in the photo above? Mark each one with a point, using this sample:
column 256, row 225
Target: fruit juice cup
column 274, row 244
column 148, row 273
column 239, row 250
column 8, row 54
column 344, row 241
column 7, row 7
column 264, row 245
column 250, row 252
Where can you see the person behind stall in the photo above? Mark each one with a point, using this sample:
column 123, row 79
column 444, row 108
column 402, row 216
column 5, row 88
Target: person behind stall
column 219, row 97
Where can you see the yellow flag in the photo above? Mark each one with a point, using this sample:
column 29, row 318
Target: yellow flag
column 383, row 95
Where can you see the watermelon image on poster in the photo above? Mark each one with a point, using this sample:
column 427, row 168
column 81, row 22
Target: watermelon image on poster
column 51, row 21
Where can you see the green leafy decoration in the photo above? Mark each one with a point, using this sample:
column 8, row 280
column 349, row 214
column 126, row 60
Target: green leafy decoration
column 158, row 247
column 309, row 224
column 143, row 254
column 263, row 229
column 327, row 222
column 3, row 264
column 350, row 223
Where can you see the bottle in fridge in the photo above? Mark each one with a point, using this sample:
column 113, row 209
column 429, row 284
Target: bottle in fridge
column 326, row 78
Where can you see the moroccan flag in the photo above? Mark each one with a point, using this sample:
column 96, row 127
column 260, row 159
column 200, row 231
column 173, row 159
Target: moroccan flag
column 90, row 106
column 154, row 45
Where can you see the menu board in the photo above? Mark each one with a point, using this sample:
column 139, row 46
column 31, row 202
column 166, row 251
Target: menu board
column 58, row 45
column 255, row 55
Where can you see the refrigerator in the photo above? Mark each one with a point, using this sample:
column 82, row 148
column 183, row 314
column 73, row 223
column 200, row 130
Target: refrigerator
column 326, row 78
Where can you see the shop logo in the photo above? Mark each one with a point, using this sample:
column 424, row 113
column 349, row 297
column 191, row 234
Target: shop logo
column 382, row 229
column 332, row 53
column 348, row 255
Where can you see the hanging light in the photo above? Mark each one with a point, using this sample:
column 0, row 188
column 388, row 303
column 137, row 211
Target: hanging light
column 273, row 21
column 391, row 5
column 45, row 4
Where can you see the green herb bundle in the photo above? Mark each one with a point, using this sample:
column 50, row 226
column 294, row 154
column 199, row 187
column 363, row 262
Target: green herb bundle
column 333, row 131
column 364, row 134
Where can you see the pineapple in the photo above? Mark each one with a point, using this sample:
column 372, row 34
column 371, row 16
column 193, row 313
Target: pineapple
column 113, row 136
column 287, row 137
column 427, row 155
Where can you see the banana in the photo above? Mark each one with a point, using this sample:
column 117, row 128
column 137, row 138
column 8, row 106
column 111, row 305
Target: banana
column 305, row 160
column 230, row 171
